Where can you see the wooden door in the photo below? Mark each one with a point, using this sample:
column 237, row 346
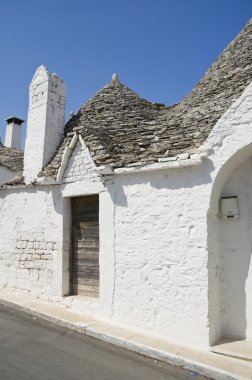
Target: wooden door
column 85, row 245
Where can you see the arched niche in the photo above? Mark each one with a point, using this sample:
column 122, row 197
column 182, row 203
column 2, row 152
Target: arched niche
column 229, row 251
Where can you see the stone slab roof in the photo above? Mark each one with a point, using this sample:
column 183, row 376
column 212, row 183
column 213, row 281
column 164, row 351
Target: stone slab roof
column 11, row 158
column 121, row 128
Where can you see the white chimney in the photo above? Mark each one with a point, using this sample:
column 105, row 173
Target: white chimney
column 46, row 120
column 13, row 132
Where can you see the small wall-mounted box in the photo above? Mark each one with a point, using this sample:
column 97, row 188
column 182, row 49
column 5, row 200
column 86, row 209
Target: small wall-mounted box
column 229, row 208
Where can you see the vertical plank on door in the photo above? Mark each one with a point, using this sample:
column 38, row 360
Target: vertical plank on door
column 85, row 245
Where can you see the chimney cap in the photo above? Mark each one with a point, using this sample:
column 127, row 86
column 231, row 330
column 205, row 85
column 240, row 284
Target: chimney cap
column 14, row 119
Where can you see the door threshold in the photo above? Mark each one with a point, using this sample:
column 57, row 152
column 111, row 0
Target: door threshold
column 234, row 347
column 82, row 297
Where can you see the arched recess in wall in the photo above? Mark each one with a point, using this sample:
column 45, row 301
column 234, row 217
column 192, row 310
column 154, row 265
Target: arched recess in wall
column 229, row 251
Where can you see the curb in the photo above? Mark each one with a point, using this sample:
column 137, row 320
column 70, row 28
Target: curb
column 169, row 358
column 176, row 360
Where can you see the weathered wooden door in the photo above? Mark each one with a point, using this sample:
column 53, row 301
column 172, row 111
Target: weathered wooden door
column 85, row 245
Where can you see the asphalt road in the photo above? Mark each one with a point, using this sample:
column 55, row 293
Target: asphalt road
column 31, row 348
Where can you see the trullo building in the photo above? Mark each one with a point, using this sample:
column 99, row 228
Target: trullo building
column 142, row 211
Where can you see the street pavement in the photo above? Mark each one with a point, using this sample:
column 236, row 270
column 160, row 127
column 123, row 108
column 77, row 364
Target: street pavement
column 34, row 349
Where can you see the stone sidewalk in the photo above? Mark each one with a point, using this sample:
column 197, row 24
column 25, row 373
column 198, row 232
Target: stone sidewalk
column 204, row 362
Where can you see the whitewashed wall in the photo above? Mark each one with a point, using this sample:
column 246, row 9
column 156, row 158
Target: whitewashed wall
column 80, row 166
column 45, row 122
column 31, row 240
column 160, row 253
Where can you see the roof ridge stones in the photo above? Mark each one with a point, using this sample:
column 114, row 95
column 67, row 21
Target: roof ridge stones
column 121, row 128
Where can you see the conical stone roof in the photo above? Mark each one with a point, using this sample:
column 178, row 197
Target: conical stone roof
column 121, row 128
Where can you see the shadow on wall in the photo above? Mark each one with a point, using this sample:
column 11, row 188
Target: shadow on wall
column 57, row 200
column 229, row 252
column 228, row 278
column 236, row 242
column 171, row 179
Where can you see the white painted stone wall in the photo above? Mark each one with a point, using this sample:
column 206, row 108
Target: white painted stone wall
column 46, row 119
column 80, row 166
column 160, row 253
column 236, row 265
column 31, row 240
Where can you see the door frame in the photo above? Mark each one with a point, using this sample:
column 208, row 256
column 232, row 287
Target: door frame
column 106, row 233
